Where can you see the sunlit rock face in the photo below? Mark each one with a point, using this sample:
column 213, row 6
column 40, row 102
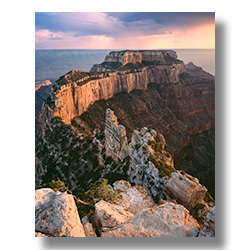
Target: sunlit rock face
column 56, row 214
column 74, row 92
column 208, row 228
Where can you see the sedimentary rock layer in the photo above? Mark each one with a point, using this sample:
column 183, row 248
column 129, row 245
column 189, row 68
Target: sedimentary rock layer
column 73, row 93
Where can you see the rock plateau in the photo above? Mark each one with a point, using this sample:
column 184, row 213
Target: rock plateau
column 133, row 119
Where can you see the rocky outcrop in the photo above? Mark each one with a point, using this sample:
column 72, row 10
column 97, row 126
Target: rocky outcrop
column 56, row 214
column 208, row 228
column 167, row 220
column 139, row 216
column 109, row 215
column 185, row 188
column 144, row 152
column 134, row 199
column 197, row 71
column 116, row 141
column 73, row 93
column 136, row 215
column 118, row 60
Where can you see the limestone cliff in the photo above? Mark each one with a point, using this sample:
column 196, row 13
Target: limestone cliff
column 74, row 92
column 118, row 60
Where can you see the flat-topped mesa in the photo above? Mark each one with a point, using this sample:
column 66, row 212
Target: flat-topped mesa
column 120, row 60
column 74, row 92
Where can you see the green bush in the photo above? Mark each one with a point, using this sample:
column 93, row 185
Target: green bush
column 163, row 168
column 55, row 185
column 100, row 190
column 157, row 146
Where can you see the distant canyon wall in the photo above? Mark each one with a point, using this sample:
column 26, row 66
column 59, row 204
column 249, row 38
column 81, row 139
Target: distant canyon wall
column 71, row 96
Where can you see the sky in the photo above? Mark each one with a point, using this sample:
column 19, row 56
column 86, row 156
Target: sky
column 125, row 30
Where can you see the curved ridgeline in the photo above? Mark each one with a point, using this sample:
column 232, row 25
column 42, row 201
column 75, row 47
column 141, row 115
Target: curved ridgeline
column 125, row 71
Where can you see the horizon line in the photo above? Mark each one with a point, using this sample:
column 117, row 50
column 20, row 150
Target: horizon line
column 134, row 49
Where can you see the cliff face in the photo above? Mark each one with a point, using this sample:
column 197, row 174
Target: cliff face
column 119, row 60
column 73, row 93
column 42, row 91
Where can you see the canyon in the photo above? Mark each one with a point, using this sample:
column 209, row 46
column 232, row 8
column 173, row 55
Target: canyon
column 140, row 119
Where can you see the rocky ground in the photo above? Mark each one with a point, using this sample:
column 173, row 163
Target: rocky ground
column 135, row 215
column 178, row 199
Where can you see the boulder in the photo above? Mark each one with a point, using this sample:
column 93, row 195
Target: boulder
column 88, row 228
column 208, row 228
column 110, row 215
column 185, row 189
column 57, row 215
column 121, row 185
column 134, row 199
column 167, row 220
column 41, row 195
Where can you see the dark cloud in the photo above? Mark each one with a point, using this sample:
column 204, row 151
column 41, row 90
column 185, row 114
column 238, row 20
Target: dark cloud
column 168, row 19
column 67, row 22
column 118, row 24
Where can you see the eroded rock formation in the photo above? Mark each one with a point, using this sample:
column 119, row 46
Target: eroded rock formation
column 185, row 188
column 74, row 92
column 144, row 152
column 120, row 60
column 116, row 140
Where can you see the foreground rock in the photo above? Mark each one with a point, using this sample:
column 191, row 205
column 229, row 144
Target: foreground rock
column 167, row 220
column 110, row 215
column 57, row 215
column 208, row 228
column 88, row 228
column 185, row 189
column 134, row 199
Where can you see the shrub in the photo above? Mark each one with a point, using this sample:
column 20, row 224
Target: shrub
column 157, row 146
column 163, row 168
column 100, row 190
column 55, row 185
column 137, row 146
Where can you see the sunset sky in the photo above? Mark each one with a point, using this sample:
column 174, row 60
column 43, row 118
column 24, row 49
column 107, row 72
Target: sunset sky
column 125, row 30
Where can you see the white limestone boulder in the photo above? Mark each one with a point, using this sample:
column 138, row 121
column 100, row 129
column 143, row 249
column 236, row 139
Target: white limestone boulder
column 134, row 199
column 57, row 215
column 167, row 220
column 110, row 215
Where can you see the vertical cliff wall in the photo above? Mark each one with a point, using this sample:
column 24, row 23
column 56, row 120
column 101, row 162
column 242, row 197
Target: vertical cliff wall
column 73, row 93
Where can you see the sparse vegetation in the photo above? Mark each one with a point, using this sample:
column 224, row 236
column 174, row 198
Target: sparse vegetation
column 137, row 145
column 163, row 168
column 55, row 185
column 100, row 190
column 157, row 146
